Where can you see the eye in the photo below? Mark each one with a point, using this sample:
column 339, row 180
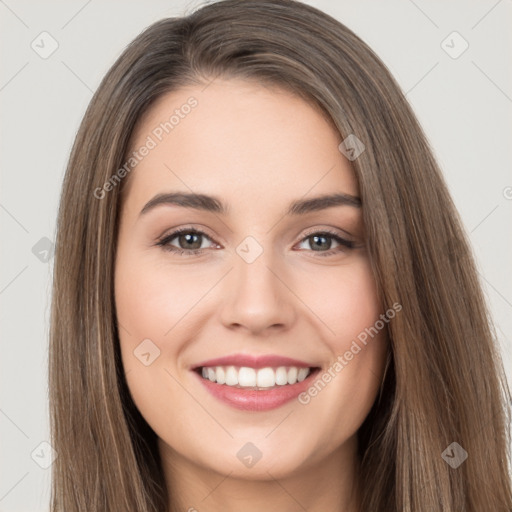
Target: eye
column 320, row 240
column 190, row 241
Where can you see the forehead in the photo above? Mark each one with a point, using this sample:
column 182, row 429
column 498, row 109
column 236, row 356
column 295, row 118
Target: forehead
column 240, row 140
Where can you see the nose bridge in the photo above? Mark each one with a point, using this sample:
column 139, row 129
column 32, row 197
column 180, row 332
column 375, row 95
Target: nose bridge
column 255, row 295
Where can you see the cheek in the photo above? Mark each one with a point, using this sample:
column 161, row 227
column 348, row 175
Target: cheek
column 151, row 298
column 159, row 308
column 343, row 298
column 356, row 336
column 151, row 306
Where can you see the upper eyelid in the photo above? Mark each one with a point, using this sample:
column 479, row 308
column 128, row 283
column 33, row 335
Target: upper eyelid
column 177, row 231
column 331, row 231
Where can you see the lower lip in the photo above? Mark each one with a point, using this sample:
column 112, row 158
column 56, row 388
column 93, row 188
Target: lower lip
column 257, row 400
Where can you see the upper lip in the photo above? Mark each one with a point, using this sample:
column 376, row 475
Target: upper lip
column 262, row 361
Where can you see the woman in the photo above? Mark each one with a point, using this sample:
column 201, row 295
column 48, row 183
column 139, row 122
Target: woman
column 206, row 352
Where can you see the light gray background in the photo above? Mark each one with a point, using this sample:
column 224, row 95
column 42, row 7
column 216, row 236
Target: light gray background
column 464, row 105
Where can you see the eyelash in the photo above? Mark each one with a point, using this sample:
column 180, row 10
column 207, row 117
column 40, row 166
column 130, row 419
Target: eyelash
column 165, row 242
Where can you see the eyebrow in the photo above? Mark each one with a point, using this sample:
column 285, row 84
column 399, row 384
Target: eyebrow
column 215, row 205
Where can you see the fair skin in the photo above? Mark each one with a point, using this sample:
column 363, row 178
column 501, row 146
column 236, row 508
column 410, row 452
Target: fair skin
column 256, row 149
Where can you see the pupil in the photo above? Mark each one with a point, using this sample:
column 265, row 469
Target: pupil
column 326, row 245
column 189, row 238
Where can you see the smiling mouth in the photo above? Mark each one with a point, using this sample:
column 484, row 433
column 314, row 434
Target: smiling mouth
column 244, row 377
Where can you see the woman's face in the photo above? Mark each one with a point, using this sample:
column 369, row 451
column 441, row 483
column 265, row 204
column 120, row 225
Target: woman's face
column 254, row 290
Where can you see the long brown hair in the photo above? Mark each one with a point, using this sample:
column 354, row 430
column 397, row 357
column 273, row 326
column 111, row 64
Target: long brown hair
column 444, row 382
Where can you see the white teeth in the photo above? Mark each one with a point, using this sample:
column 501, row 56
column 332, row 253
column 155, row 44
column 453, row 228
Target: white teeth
column 221, row 375
column 246, row 377
column 266, row 378
column 303, row 373
column 281, row 376
column 231, row 376
column 292, row 375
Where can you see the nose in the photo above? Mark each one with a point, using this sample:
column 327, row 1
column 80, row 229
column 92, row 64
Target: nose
column 257, row 297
